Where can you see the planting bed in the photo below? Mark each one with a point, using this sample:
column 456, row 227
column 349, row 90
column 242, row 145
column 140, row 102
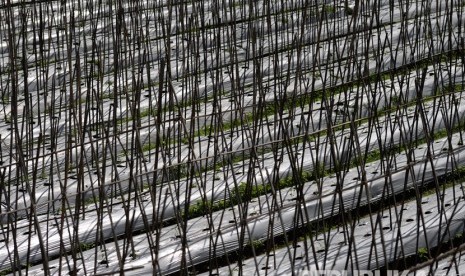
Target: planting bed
column 210, row 137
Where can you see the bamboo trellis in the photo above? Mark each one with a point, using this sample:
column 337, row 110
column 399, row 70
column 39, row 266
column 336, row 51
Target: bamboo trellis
column 231, row 137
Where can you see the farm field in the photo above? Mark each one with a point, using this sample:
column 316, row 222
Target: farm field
column 231, row 137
